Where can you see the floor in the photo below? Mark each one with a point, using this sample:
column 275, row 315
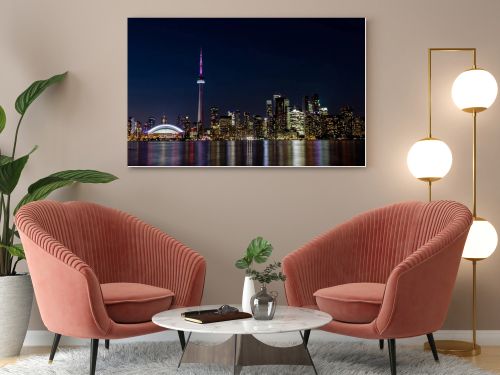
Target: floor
column 488, row 360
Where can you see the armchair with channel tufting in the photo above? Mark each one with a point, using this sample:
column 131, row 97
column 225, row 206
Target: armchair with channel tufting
column 100, row 273
column 385, row 274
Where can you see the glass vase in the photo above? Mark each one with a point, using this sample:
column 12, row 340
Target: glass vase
column 263, row 304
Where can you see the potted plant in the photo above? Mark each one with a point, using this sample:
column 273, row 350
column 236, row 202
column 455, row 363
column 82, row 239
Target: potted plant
column 259, row 250
column 16, row 291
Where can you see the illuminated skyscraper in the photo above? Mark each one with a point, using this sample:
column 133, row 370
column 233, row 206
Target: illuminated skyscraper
column 214, row 116
column 214, row 123
column 287, row 114
column 315, row 103
column 281, row 114
column 276, row 97
column 184, row 123
column 297, row 121
column 225, row 124
column 201, row 84
column 358, row 130
column 269, row 108
column 138, row 130
column 268, row 124
column 247, row 125
column 258, row 127
column 329, row 122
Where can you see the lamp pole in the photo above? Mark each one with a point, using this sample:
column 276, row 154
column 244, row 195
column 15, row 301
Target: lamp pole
column 454, row 347
column 474, row 165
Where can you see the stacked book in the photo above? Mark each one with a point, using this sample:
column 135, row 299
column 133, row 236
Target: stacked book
column 213, row 316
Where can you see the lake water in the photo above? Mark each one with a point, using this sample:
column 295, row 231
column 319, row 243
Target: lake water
column 248, row 153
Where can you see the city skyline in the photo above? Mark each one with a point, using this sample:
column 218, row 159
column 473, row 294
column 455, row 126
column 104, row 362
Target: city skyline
column 227, row 111
column 156, row 90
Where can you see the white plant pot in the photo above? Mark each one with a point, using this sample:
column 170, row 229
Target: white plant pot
column 248, row 292
column 16, row 298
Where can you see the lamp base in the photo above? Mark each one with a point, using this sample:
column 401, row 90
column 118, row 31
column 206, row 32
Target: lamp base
column 456, row 348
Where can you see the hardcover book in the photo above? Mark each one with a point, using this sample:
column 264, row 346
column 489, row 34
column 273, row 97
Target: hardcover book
column 213, row 317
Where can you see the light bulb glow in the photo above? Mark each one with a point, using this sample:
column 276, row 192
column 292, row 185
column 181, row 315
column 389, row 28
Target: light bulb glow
column 481, row 241
column 474, row 90
column 429, row 159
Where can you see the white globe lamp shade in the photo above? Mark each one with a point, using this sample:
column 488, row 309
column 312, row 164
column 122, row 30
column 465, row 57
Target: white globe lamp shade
column 429, row 159
column 474, row 90
column 481, row 241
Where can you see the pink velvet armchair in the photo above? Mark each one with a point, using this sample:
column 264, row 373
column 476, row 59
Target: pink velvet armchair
column 385, row 274
column 99, row 273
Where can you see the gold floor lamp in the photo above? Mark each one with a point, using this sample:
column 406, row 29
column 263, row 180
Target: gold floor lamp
column 430, row 159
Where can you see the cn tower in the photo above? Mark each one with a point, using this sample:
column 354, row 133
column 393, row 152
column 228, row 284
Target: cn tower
column 201, row 84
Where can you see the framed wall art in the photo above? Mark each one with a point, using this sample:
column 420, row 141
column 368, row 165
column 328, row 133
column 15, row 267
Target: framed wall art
column 246, row 92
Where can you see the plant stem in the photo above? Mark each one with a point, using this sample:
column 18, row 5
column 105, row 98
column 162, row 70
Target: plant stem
column 12, row 234
column 5, row 235
column 15, row 137
column 3, row 252
column 13, row 271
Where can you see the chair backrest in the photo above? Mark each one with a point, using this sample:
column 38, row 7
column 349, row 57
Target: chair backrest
column 388, row 235
column 92, row 232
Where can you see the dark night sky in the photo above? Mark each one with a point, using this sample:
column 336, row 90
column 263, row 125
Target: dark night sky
column 245, row 61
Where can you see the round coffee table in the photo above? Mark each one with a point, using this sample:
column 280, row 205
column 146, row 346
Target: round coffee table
column 242, row 348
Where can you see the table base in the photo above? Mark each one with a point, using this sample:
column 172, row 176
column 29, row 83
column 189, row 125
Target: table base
column 246, row 350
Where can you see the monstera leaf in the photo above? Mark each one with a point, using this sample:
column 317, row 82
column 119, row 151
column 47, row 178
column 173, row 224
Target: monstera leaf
column 242, row 263
column 31, row 93
column 258, row 250
column 43, row 187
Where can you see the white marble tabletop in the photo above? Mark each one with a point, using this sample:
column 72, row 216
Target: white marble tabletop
column 286, row 319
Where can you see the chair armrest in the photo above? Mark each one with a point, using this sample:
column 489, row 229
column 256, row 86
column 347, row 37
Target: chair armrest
column 67, row 290
column 321, row 263
column 419, row 289
column 165, row 262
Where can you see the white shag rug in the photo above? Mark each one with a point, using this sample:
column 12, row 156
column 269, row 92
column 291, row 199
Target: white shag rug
column 154, row 358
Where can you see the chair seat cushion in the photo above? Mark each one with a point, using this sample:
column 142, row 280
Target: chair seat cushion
column 135, row 303
column 351, row 303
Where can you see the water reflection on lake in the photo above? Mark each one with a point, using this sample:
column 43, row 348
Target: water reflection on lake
column 248, row 153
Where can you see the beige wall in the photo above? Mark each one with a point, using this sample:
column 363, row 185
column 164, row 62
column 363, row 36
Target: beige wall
column 81, row 124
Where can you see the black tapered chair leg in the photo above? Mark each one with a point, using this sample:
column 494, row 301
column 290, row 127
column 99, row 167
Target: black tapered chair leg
column 55, row 344
column 381, row 344
column 106, row 344
column 307, row 333
column 94, row 346
column 182, row 339
column 392, row 355
column 432, row 344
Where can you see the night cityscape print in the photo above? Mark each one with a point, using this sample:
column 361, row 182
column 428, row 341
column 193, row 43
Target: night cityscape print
column 246, row 92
